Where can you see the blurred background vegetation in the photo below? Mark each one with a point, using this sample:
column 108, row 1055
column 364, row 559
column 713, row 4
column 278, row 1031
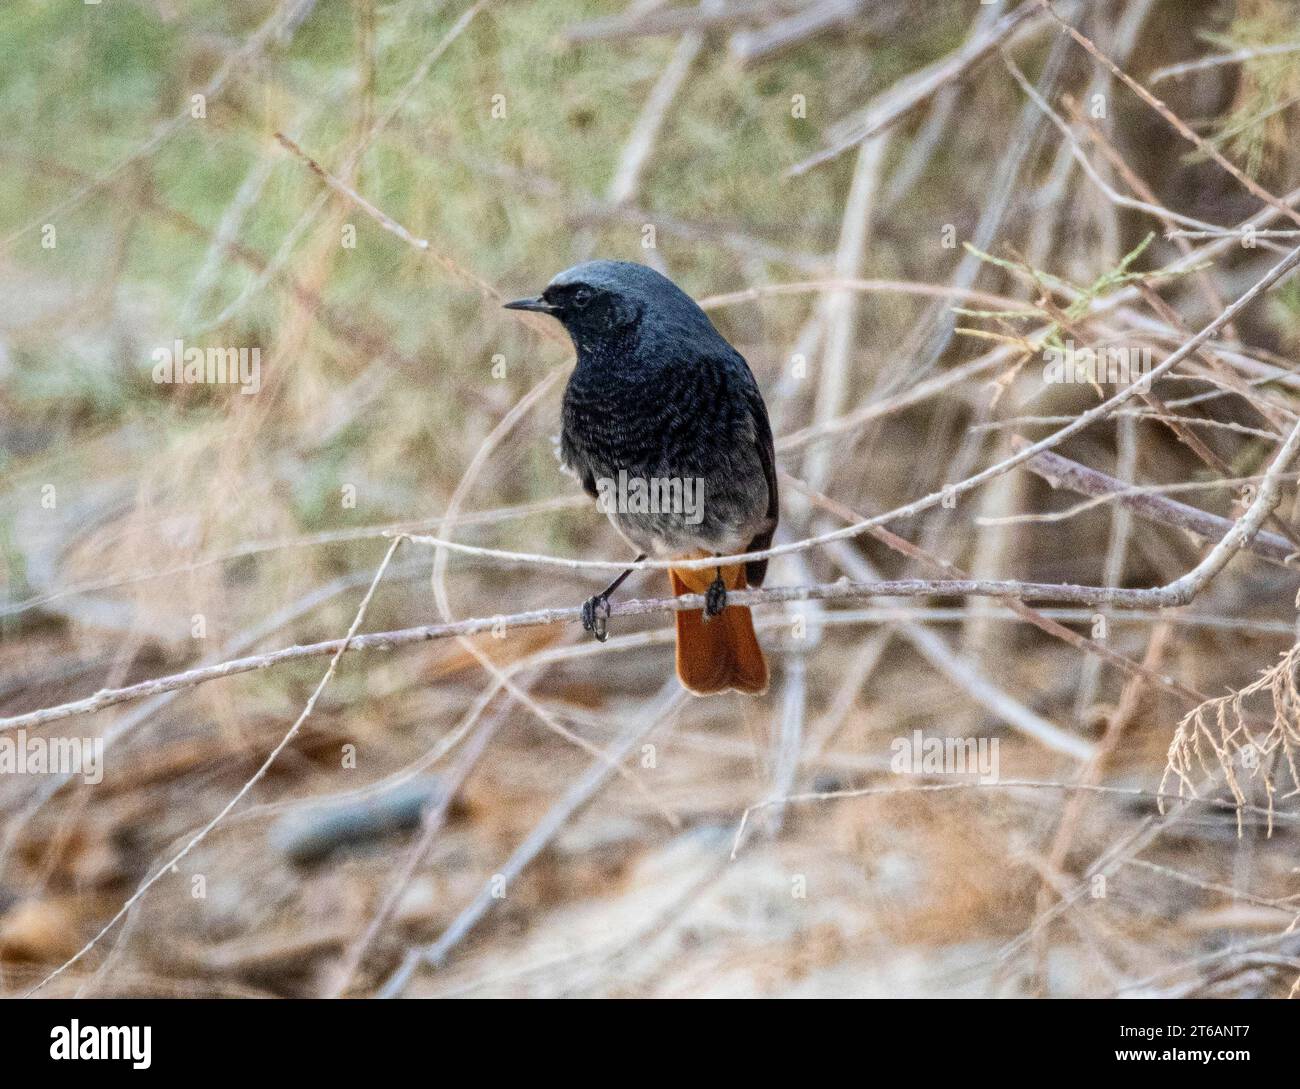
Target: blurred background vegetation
column 148, row 527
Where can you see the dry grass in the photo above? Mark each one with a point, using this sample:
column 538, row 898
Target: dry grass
column 536, row 814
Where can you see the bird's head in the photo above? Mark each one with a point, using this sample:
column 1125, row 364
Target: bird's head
column 598, row 302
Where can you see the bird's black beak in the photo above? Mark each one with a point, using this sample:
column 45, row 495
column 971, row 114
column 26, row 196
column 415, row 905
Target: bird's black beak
column 537, row 305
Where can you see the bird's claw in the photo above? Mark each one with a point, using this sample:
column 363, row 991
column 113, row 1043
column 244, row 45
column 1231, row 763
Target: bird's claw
column 595, row 616
column 715, row 598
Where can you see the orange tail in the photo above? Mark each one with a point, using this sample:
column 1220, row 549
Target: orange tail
column 714, row 655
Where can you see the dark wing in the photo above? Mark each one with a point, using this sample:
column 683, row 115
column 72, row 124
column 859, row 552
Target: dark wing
column 589, row 483
column 569, row 455
column 756, row 570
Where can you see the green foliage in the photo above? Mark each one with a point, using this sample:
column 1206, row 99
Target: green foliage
column 1083, row 295
column 1256, row 130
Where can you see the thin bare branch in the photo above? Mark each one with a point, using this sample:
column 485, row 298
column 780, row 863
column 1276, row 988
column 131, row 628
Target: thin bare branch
column 912, row 90
column 1061, row 472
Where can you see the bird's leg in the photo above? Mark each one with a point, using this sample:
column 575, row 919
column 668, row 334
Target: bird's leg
column 715, row 599
column 595, row 610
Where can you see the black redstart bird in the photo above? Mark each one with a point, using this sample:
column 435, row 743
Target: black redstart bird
column 664, row 425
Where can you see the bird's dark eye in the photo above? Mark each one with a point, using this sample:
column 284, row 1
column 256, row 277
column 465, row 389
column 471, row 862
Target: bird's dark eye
column 581, row 297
